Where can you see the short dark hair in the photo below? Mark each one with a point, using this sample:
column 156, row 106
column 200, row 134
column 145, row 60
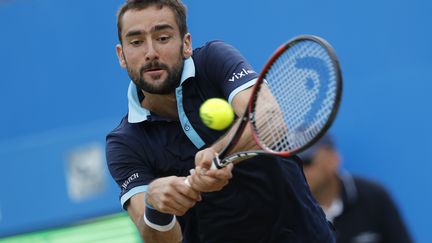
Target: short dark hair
column 176, row 5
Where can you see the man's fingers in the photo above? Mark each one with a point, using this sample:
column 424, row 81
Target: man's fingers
column 204, row 158
column 224, row 173
column 177, row 204
column 189, row 191
column 208, row 183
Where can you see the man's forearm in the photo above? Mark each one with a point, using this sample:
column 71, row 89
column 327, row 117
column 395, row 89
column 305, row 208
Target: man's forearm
column 136, row 210
column 246, row 142
column 150, row 235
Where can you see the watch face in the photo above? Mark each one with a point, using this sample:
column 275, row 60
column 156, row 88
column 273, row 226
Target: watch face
column 85, row 172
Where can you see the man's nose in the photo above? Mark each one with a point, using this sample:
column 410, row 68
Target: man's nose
column 151, row 53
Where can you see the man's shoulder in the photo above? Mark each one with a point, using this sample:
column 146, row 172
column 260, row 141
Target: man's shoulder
column 124, row 127
column 126, row 133
column 211, row 45
column 213, row 48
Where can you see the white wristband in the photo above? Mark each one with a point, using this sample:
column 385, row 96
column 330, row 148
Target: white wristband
column 158, row 220
column 162, row 228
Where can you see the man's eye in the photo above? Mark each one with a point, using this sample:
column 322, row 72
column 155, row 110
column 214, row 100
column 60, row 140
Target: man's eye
column 136, row 42
column 164, row 38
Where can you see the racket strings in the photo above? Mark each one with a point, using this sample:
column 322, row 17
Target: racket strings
column 297, row 100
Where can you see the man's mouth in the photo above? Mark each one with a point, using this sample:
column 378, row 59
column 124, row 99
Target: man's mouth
column 154, row 72
column 152, row 69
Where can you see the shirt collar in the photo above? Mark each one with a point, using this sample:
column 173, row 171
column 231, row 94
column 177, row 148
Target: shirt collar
column 188, row 70
column 137, row 113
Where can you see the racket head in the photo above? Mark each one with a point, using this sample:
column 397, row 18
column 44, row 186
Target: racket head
column 300, row 87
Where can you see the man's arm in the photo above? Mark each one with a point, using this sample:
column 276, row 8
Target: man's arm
column 165, row 197
column 246, row 142
column 136, row 210
column 202, row 178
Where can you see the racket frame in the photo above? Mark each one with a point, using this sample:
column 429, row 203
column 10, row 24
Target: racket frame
column 248, row 115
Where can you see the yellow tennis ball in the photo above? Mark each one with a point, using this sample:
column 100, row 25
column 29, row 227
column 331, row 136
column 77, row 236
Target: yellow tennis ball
column 216, row 113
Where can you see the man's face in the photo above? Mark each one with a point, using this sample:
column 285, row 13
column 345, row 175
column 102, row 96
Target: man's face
column 152, row 49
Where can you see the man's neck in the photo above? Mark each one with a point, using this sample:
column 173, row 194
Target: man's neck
column 164, row 105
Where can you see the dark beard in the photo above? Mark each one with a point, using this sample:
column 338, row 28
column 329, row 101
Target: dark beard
column 167, row 86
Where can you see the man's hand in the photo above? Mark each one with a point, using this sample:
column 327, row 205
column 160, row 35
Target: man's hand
column 171, row 195
column 204, row 179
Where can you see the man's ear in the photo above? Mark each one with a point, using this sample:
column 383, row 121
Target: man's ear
column 120, row 55
column 187, row 46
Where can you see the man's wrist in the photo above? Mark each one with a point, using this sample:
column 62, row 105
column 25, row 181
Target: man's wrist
column 157, row 220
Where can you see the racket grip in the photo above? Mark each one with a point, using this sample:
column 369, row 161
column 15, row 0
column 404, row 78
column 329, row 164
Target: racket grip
column 186, row 181
column 215, row 163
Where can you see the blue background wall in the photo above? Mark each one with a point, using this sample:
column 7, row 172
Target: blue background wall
column 62, row 89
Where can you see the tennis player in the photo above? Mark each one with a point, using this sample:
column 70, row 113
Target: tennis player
column 161, row 141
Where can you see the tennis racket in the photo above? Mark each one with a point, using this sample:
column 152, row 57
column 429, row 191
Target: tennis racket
column 293, row 103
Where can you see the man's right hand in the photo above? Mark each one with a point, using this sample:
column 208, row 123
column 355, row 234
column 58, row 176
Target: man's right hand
column 171, row 195
column 203, row 178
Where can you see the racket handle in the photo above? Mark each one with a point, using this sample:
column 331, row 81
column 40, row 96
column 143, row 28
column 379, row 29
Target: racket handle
column 215, row 163
column 186, row 181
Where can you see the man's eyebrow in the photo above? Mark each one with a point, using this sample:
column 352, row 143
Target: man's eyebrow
column 162, row 27
column 154, row 29
column 133, row 33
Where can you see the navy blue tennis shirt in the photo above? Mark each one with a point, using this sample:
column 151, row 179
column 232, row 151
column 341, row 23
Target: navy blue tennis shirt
column 267, row 200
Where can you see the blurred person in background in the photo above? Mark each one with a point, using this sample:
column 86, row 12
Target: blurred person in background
column 361, row 210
